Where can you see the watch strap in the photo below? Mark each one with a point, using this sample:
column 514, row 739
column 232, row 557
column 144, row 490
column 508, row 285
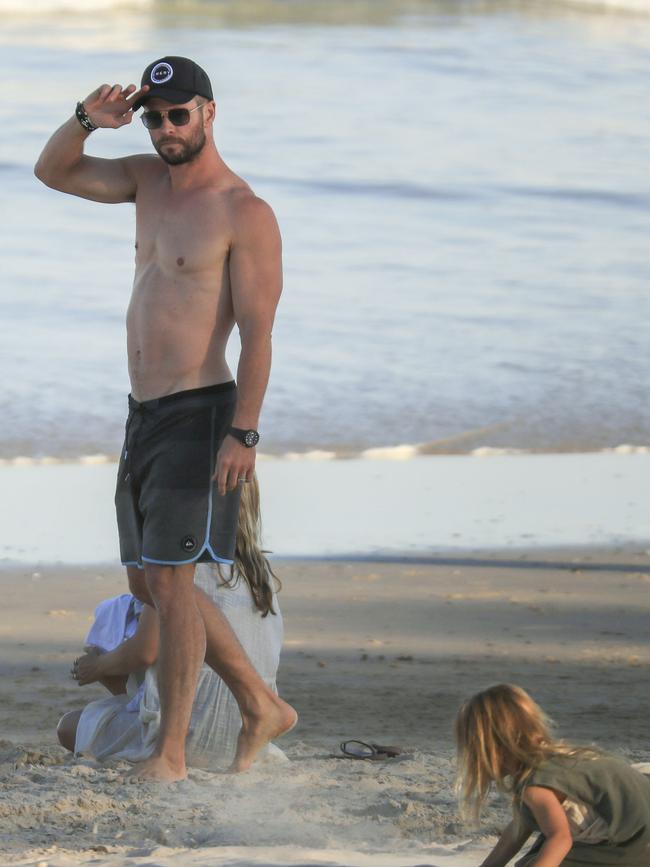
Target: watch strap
column 248, row 437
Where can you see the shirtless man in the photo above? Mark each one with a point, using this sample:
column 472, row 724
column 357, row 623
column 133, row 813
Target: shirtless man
column 208, row 255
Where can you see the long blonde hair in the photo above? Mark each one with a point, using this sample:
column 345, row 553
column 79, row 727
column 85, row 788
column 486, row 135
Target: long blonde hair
column 502, row 735
column 250, row 561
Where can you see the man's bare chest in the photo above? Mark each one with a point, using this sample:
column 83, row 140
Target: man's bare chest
column 182, row 236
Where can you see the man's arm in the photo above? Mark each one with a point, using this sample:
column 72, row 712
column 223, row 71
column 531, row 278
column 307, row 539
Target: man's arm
column 63, row 165
column 255, row 265
column 256, row 284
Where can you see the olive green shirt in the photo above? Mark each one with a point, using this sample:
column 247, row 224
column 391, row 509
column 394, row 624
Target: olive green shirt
column 618, row 793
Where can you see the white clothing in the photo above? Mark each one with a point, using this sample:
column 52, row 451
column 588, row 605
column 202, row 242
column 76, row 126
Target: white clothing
column 115, row 620
column 109, row 729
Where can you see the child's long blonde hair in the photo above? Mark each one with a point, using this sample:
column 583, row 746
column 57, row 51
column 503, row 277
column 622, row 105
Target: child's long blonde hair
column 502, row 735
column 250, row 561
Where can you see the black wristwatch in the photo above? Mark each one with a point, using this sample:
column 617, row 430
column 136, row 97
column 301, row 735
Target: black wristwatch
column 249, row 438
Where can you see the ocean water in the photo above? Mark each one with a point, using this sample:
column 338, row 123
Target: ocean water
column 463, row 193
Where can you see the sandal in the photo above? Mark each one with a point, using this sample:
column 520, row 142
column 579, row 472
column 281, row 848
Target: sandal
column 354, row 749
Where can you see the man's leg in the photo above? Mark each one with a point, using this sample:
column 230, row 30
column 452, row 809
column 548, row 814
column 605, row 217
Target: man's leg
column 265, row 716
column 138, row 585
column 180, row 656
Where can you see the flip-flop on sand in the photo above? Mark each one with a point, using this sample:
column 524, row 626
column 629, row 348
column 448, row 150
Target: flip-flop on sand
column 372, row 752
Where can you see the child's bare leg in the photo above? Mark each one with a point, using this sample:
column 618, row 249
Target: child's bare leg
column 67, row 729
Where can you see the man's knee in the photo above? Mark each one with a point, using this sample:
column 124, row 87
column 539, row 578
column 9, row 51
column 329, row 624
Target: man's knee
column 167, row 583
column 138, row 584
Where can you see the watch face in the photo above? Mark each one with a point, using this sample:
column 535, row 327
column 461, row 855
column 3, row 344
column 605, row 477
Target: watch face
column 251, row 438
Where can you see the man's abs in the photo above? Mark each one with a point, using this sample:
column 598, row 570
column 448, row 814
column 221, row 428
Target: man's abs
column 177, row 331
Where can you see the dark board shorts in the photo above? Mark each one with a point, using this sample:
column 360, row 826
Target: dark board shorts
column 168, row 510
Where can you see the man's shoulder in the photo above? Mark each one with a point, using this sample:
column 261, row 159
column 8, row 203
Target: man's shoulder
column 143, row 165
column 250, row 211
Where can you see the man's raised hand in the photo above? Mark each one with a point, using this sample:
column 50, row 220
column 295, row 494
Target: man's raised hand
column 112, row 107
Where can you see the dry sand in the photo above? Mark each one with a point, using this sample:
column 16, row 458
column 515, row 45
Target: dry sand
column 382, row 651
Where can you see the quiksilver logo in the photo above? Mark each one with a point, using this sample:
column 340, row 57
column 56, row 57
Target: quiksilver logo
column 188, row 543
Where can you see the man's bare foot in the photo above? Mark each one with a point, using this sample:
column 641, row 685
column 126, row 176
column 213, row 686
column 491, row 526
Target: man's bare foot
column 157, row 768
column 259, row 729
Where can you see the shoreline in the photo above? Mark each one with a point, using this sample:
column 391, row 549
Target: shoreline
column 400, row 452
column 379, row 508
column 564, row 557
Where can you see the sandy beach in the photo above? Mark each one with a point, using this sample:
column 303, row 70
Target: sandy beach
column 382, row 650
column 455, row 452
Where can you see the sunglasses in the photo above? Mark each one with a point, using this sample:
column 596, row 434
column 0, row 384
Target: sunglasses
column 178, row 116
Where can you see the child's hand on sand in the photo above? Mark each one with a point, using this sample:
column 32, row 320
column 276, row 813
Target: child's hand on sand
column 87, row 668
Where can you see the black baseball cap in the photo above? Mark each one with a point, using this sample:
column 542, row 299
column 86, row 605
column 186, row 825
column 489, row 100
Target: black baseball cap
column 176, row 79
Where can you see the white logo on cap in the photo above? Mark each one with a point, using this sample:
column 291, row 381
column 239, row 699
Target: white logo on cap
column 161, row 73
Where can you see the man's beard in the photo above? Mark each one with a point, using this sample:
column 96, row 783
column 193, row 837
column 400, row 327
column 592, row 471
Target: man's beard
column 185, row 151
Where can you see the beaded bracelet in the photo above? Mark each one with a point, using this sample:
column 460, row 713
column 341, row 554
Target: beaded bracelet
column 82, row 117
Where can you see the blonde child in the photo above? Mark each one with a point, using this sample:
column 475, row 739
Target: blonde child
column 589, row 807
